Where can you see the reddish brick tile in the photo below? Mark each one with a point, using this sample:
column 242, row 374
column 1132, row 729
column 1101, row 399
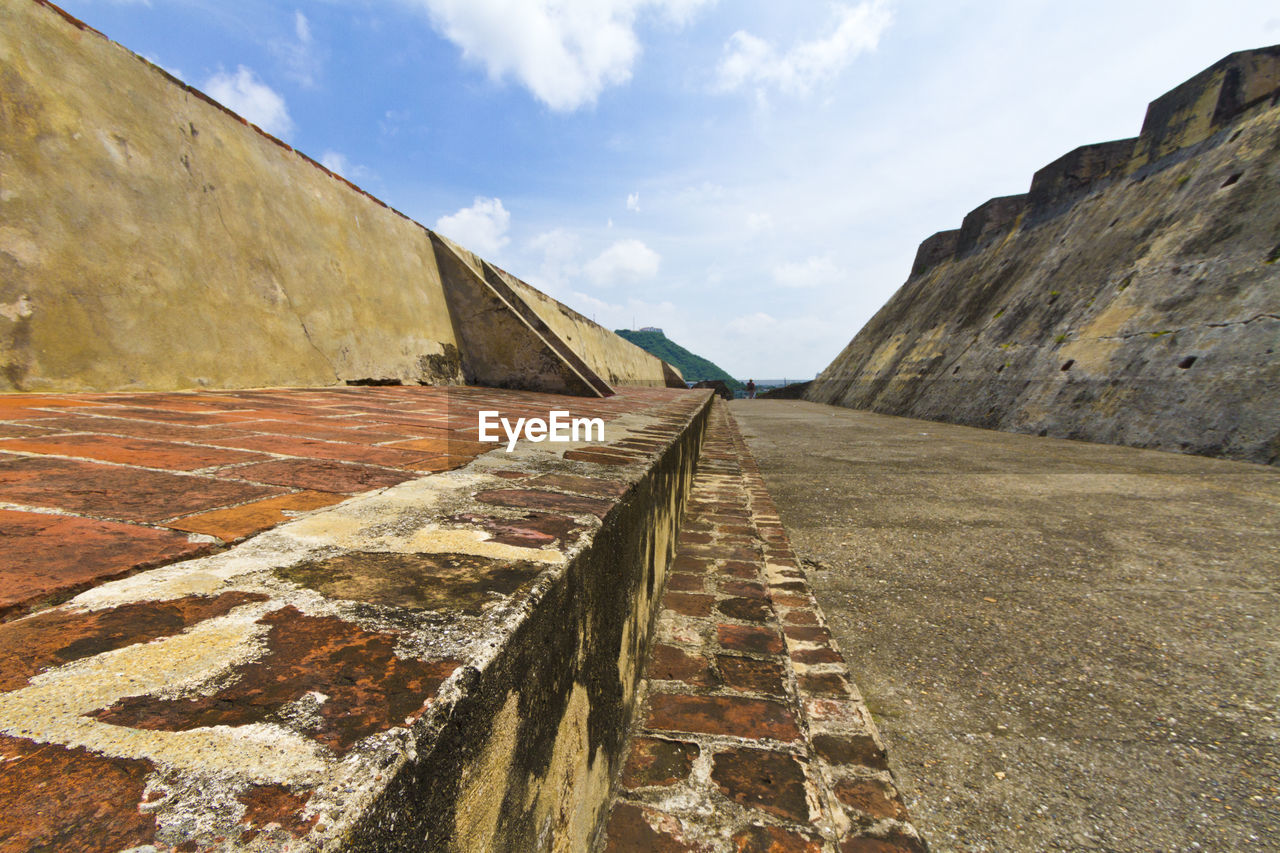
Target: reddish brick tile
column 851, row 749
column 774, row 839
column 694, row 565
column 871, row 796
column 308, row 448
column 749, row 638
column 370, row 688
column 320, row 475
column 451, row 444
column 45, row 557
column 743, row 589
column 894, row 842
column 689, row 604
column 600, row 456
column 178, row 417
column 721, row 715
column 746, row 609
column 740, row 569
column 267, row 804
column 761, row 676
column 800, row 617
column 50, row 797
column 670, row 663
column 629, row 832
column 533, row 530
column 130, row 451
column 136, row 428
column 686, row 583
column 788, row 600
column 810, row 656
column 691, row 538
column 54, row 637
column 656, row 761
column 129, row 494
column 240, row 521
column 764, row 779
column 20, row 431
column 807, row 634
column 538, row 499
column 828, row 684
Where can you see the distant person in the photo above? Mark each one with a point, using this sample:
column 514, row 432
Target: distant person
column 751, row 389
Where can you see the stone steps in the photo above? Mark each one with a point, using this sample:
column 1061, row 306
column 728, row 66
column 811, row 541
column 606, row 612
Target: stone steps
column 751, row 735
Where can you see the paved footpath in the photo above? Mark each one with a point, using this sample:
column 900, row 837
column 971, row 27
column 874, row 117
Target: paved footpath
column 1066, row 646
column 750, row 735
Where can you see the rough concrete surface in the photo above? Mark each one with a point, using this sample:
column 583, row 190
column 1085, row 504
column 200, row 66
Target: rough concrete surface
column 1067, row 646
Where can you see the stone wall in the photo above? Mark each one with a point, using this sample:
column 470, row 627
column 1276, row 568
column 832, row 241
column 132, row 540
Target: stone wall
column 1131, row 297
column 152, row 239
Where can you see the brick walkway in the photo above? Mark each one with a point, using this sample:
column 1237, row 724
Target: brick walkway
column 751, row 736
column 99, row 486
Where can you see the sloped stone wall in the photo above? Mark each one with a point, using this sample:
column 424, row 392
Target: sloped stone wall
column 1132, row 297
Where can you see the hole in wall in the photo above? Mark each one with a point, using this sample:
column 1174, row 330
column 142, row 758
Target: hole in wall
column 1044, row 432
column 1236, row 135
column 1275, row 255
column 1000, row 369
column 954, row 372
column 1231, row 180
column 1113, row 222
column 1067, row 364
column 1187, row 362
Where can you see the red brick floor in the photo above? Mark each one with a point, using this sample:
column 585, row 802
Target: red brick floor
column 96, row 486
column 750, row 736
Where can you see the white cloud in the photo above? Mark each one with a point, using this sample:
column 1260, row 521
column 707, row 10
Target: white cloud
column 633, row 202
column 299, row 56
column 244, row 93
column 338, row 163
column 751, row 61
column 566, row 52
column 814, row 272
column 625, row 260
column 482, row 227
column 757, row 222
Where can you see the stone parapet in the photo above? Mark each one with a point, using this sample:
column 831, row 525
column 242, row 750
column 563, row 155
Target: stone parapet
column 446, row 661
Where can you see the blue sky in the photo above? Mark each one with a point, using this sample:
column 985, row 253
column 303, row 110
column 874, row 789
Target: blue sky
column 754, row 177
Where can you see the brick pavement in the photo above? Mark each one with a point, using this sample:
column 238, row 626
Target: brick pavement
column 99, row 486
column 751, row 735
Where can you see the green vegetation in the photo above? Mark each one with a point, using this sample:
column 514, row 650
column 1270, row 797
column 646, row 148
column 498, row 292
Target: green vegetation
column 694, row 368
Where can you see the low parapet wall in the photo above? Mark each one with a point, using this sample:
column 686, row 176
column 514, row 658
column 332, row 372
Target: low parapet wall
column 1125, row 299
column 151, row 239
column 449, row 663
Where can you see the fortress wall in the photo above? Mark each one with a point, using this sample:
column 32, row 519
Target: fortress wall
column 614, row 358
column 1146, row 312
column 149, row 239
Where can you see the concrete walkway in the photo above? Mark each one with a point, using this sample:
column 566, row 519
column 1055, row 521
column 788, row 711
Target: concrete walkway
column 1066, row 646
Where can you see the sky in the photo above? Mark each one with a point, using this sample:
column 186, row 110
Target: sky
column 751, row 176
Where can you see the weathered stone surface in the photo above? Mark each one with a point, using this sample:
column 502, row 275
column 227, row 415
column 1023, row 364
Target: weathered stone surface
column 1132, row 298
column 657, row 761
column 235, row 261
column 770, row 781
column 47, row 557
column 367, row 688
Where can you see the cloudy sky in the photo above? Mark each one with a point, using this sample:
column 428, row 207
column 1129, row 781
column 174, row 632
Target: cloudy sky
column 752, row 176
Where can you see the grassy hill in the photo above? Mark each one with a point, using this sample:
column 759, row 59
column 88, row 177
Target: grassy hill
column 694, row 368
